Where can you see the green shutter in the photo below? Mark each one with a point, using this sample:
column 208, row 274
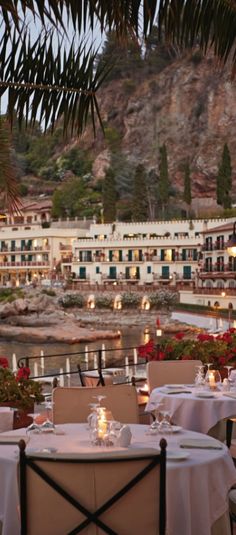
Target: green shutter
column 112, row 272
column 183, row 254
column 110, row 255
column 162, row 254
column 140, row 255
column 127, row 273
column 187, row 272
column 173, row 255
column 82, row 272
column 120, row 256
column 165, row 272
column 130, row 255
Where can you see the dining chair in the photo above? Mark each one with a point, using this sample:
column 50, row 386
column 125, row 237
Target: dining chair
column 232, row 507
column 162, row 372
column 95, row 493
column 71, row 405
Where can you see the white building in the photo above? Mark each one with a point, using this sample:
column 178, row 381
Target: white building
column 216, row 277
column 160, row 252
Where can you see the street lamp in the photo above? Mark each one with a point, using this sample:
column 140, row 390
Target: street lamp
column 231, row 245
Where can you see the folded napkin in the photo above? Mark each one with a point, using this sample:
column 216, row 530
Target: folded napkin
column 13, row 439
column 124, row 437
column 230, row 394
column 200, row 443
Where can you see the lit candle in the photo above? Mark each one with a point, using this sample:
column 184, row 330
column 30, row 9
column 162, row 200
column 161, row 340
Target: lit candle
column 61, row 378
column 102, row 425
column 135, row 356
column 212, row 382
column 127, row 366
column 145, row 388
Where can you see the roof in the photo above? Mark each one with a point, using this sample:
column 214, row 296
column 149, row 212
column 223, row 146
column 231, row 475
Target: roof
column 221, row 228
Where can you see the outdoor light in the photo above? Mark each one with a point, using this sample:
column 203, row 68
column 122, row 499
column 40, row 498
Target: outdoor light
column 231, row 245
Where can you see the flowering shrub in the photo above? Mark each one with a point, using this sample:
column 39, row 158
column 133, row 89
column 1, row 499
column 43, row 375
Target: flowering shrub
column 18, row 388
column 219, row 350
column 163, row 298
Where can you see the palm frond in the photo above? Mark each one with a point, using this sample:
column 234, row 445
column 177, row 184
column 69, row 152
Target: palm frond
column 8, row 182
column 45, row 85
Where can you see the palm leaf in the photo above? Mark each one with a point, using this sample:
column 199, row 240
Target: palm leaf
column 8, row 183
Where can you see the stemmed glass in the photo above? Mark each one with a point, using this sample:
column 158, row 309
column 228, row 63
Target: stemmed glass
column 34, row 427
column 154, row 427
column 165, row 424
column 200, row 378
column 99, row 398
column 48, row 425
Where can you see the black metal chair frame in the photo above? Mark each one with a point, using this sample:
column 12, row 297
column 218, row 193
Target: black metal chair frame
column 92, row 517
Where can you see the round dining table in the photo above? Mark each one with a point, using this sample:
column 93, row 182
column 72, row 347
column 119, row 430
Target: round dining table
column 198, row 410
column 200, row 472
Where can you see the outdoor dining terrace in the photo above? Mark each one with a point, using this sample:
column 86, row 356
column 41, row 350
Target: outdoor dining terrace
column 151, row 430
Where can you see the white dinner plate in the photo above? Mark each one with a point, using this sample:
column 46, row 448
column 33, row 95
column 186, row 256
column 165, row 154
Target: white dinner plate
column 41, row 450
column 204, row 395
column 176, row 428
column 177, row 455
column 175, row 386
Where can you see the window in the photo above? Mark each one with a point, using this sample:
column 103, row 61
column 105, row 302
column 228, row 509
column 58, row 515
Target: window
column 149, row 269
column 187, row 272
column 165, row 272
column 97, row 270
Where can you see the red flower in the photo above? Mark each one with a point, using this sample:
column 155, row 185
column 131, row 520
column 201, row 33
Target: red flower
column 4, row 362
column 222, row 361
column 23, row 373
column 205, row 337
column 158, row 322
column 179, row 336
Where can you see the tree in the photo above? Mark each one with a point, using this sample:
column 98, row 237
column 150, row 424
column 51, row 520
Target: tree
column 224, row 179
column 140, row 204
column 109, row 196
column 44, row 77
column 187, row 184
column 164, row 186
column 75, row 199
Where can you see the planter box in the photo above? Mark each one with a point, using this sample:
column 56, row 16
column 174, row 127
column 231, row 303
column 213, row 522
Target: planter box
column 21, row 416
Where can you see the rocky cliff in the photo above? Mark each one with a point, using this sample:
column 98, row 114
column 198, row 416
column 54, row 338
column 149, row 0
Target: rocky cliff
column 190, row 106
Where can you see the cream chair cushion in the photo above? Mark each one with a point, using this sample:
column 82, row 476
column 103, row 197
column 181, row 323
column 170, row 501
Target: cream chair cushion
column 71, row 405
column 93, row 483
column 164, row 372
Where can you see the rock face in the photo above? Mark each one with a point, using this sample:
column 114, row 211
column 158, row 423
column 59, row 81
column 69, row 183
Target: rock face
column 189, row 106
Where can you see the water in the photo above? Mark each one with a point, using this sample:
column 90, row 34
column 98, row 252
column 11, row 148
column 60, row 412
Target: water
column 199, row 320
column 130, row 337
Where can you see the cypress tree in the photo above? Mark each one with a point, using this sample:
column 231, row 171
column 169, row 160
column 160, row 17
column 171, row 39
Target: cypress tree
column 224, row 179
column 140, row 203
column 187, row 184
column 164, row 186
column 109, row 196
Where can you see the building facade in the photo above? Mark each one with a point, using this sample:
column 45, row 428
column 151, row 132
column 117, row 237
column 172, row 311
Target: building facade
column 152, row 253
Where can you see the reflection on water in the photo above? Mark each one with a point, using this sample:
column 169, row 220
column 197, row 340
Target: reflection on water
column 130, row 337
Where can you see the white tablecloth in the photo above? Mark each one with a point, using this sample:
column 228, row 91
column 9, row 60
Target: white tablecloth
column 192, row 412
column 196, row 487
column 6, row 419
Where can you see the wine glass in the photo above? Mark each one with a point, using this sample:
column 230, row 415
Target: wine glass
column 92, row 417
column 156, row 411
column 99, row 398
column 165, row 424
column 48, row 425
column 200, row 377
column 34, row 427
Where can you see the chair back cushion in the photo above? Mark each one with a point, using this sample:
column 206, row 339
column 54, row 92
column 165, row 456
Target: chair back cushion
column 160, row 373
column 92, row 479
column 71, row 405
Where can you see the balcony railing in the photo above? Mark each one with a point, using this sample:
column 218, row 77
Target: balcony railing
column 24, row 264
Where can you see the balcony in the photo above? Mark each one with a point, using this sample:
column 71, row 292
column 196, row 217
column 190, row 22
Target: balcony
column 219, row 246
column 24, row 264
column 207, row 247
